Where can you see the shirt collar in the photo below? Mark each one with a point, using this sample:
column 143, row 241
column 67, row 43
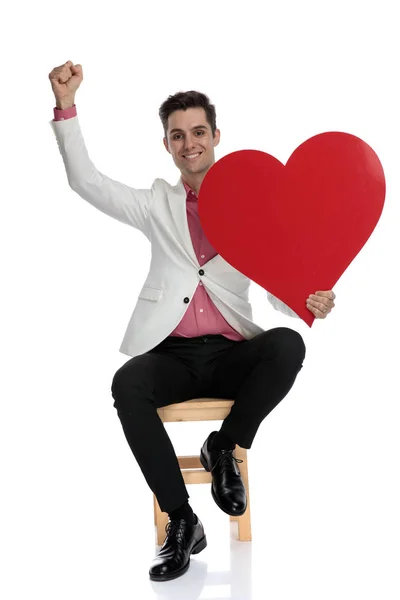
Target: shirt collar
column 188, row 190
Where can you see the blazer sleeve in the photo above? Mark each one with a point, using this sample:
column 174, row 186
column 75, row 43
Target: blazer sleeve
column 117, row 200
column 279, row 305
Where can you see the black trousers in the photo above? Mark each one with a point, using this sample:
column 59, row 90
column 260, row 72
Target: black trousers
column 257, row 374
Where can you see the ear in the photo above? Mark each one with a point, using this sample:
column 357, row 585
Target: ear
column 166, row 144
column 217, row 137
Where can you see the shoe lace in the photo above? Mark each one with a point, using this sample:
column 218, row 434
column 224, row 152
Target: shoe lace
column 174, row 527
column 225, row 460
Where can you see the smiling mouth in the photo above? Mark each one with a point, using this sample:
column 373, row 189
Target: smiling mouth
column 192, row 157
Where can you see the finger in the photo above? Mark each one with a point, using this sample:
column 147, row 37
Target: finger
column 328, row 294
column 318, row 308
column 322, row 300
column 317, row 313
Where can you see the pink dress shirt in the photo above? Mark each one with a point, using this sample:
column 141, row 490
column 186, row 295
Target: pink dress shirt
column 202, row 316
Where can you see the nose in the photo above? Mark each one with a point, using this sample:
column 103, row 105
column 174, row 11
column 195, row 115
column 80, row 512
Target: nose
column 190, row 143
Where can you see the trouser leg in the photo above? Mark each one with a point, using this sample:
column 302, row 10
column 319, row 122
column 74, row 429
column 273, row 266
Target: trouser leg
column 139, row 387
column 257, row 374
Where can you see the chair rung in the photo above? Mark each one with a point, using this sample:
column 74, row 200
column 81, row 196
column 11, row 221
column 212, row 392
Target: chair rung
column 190, row 462
column 196, row 476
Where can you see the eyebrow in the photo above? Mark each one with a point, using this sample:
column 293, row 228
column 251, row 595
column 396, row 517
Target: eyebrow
column 181, row 130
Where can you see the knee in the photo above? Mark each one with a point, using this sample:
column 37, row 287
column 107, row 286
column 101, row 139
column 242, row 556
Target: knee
column 290, row 343
column 118, row 383
column 119, row 387
column 126, row 382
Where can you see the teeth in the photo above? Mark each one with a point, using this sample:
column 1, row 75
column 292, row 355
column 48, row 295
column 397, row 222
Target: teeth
column 192, row 155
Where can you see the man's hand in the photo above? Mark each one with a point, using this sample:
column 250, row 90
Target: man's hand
column 321, row 303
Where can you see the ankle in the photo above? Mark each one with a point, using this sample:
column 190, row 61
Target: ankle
column 221, row 441
column 184, row 511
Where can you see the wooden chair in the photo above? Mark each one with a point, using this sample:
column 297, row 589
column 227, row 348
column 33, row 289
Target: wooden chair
column 193, row 472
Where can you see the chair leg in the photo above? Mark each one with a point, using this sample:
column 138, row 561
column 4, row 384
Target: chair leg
column 160, row 521
column 155, row 509
column 244, row 521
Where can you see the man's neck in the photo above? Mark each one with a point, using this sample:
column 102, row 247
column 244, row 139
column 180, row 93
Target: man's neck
column 194, row 181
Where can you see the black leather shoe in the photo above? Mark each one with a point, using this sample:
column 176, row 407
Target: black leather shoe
column 173, row 559
column 227, row 487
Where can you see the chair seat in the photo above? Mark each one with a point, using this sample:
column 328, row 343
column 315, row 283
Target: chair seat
column 198, row 409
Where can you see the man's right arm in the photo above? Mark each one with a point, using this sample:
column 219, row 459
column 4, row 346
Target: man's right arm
column 118, row 200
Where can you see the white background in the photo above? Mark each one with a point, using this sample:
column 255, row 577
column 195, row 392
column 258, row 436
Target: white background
column 76, row 512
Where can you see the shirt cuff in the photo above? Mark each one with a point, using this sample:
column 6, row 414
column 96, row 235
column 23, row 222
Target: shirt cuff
column 67, row 113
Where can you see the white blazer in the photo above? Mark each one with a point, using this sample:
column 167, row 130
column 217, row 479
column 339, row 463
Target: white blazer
column 160, row 213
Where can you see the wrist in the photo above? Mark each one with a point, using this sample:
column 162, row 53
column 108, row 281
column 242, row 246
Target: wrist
column 64, row 104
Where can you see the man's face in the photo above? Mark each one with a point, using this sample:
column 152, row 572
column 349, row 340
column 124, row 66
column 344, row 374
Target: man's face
column 190, row 142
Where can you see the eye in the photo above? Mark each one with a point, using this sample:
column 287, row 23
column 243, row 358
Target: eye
column 176, row 136
column 201, row 132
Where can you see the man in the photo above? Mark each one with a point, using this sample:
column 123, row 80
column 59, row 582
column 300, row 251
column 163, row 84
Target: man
column 191, row 333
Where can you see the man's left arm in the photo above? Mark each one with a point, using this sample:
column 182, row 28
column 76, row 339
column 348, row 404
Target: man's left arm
column 281, row 306
column 320, row 304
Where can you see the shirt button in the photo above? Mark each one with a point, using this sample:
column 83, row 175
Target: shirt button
column 201, row 310
column 201, row 272
column 201, row 283
column 202, row 256
column 186, row 300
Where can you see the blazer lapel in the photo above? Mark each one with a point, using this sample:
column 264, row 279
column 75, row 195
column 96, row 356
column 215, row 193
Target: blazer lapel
column 177, row 204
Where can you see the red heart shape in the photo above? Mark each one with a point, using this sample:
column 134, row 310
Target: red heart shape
column 295, row 228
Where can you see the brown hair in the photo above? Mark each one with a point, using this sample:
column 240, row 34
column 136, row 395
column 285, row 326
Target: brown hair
column 184, row 100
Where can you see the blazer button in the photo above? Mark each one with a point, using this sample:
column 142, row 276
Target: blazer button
column 201, row 272
column 186, row 300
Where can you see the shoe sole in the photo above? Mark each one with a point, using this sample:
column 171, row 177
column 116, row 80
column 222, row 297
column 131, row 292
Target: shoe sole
column 237, row 514
column 197, row 548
